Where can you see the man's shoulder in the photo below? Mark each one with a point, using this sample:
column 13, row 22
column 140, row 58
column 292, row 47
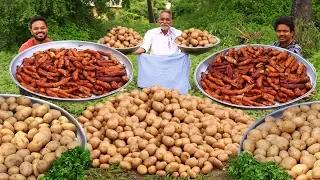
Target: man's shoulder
column 27, row 44
column 176, row 30
column 276, row 43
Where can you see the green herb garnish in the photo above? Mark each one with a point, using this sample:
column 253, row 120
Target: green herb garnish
column 70, row 165
column 246, row 167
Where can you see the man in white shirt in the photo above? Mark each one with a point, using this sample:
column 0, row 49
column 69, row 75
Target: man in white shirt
column 161, row 40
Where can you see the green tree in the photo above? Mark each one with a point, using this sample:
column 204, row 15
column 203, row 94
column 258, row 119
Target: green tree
column 16, row 14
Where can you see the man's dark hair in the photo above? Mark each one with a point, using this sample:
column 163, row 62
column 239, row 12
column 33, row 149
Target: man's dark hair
column 284, row 20
column 38, row 18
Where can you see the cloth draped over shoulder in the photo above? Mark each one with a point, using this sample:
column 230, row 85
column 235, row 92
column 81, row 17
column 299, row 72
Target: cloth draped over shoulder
column 171, row 71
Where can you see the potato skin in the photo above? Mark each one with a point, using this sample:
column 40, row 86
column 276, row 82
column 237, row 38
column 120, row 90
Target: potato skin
column 26, row 169
column 13, row 160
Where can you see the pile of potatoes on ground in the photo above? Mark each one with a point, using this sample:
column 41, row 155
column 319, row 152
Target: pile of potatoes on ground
column 159, row 131
column 196, row 38
column 121, row 37
column 32, row 136
column 292, row 141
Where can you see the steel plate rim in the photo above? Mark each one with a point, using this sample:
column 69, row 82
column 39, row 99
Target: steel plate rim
column 261, row 120
column 256, row 107
column 37, row 100
column 70, row 99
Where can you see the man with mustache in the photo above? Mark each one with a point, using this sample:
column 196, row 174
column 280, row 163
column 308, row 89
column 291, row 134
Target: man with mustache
column 165, row 66
column 39, row 31
column 284, row 27
column 161, row 40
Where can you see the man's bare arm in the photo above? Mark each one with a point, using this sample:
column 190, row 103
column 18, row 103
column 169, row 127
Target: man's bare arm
column 140, row 50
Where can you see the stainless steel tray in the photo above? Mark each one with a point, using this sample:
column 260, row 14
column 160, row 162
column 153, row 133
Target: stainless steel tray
column 276, row 114
column 202, row 67
column 197, row 50
column 70, row 44
column 81, row 137
column 126, row 51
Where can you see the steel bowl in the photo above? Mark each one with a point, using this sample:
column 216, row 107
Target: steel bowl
column 80, row 135
column 202, row 67
column 197, row 50
column 81, row 45
column 276, row 114
column 125, row 51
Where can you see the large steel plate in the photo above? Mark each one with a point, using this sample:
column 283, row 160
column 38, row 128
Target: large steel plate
column 80, row 45
column 81, row 137
column 197, row 50
column 126, row 51
column 276, row 114
column 202, row 67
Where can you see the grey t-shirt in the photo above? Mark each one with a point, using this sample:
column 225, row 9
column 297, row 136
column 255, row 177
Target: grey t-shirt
column 293, row 46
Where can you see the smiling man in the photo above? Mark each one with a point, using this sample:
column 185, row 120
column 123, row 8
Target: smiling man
column 284, row 27
column 161, row 39
column 39, row 31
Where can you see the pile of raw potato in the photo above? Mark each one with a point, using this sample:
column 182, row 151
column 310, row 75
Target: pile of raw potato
column 121, row 37
column 32, row 136
column 159, row 131
column 293, row 141
column 196, row 38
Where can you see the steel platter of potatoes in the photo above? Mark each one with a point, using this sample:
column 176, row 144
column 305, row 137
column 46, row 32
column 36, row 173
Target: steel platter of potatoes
column 195, row 41
column 196, row 38
column 290, row 137
column 124, row 39
column 32, row 135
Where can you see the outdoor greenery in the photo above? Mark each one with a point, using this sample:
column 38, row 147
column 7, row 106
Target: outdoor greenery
column 234, row 22
column 247, row 167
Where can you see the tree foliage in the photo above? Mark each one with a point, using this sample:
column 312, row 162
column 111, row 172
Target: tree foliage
column 16, row 14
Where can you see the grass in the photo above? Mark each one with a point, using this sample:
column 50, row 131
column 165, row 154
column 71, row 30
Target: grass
column 116, row 173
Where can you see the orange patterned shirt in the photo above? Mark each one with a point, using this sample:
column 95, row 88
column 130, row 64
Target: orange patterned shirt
column 31, row 42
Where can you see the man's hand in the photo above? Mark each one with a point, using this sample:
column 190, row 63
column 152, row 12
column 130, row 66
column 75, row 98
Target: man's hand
column 140, row 50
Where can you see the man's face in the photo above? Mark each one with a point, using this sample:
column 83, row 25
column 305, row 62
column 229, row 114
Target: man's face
column 165, row 21
column 39, row 30
column 283, row 33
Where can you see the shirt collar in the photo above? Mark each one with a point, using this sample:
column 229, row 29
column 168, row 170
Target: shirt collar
column 171, row 31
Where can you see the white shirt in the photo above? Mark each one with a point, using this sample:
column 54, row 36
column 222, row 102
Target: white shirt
column 161, row 44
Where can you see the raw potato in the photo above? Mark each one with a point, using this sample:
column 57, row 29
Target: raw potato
column 159, row 131
column 30, row 138
column 300, row 169
column 26, row 169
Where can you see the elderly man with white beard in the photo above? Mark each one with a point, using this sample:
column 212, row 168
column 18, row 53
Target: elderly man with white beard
column 165, row 66
column 161, row 39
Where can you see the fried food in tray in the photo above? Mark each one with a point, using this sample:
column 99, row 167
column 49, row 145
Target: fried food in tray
column 255, row 76
column 69, row 73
